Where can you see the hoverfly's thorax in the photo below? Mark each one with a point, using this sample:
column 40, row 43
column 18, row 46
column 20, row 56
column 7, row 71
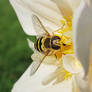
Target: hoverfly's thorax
column 47, row 42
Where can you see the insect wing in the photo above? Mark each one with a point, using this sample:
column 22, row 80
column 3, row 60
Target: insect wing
column 34, row 66
column 38, row 26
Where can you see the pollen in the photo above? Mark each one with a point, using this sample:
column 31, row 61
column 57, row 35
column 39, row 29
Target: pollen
column 65, row 32
column 67, row 75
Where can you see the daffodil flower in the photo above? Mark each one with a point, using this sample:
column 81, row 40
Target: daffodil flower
column 52, row 75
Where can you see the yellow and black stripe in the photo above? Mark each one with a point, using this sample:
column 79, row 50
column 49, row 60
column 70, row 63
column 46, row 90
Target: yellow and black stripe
column 43, row 44
column 38, row 44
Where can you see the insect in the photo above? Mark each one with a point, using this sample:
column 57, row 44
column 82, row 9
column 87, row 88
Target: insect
column 47, row 44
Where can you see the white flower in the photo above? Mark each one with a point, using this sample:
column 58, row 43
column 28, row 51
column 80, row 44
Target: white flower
column 50, row 13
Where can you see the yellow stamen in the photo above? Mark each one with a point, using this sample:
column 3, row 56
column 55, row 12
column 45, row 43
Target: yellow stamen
column 67, row 75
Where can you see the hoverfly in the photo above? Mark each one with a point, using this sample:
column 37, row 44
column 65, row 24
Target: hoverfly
column 47, row 44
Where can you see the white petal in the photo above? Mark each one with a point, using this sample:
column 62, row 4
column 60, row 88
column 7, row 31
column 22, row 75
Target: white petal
column 88, row 2
column 82, row 26
column 67, row 7
column 31, row 44
column 33, row 83
column 74, row 4
column 75, row 87
column 24, row 16
column 46, row 10
column 50, row 60
column 55, row 77
column 71, row 64
column 82, row 84
column 65, row 86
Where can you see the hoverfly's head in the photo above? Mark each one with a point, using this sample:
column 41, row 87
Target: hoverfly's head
column 56, row 42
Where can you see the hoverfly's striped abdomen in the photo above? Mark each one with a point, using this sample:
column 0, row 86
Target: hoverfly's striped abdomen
column 38, row 44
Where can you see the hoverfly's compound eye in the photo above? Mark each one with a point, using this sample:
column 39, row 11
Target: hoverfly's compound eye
column 56, row 38
column 57, row 42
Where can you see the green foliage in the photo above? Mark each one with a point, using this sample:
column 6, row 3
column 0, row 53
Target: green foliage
column 14, row 51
